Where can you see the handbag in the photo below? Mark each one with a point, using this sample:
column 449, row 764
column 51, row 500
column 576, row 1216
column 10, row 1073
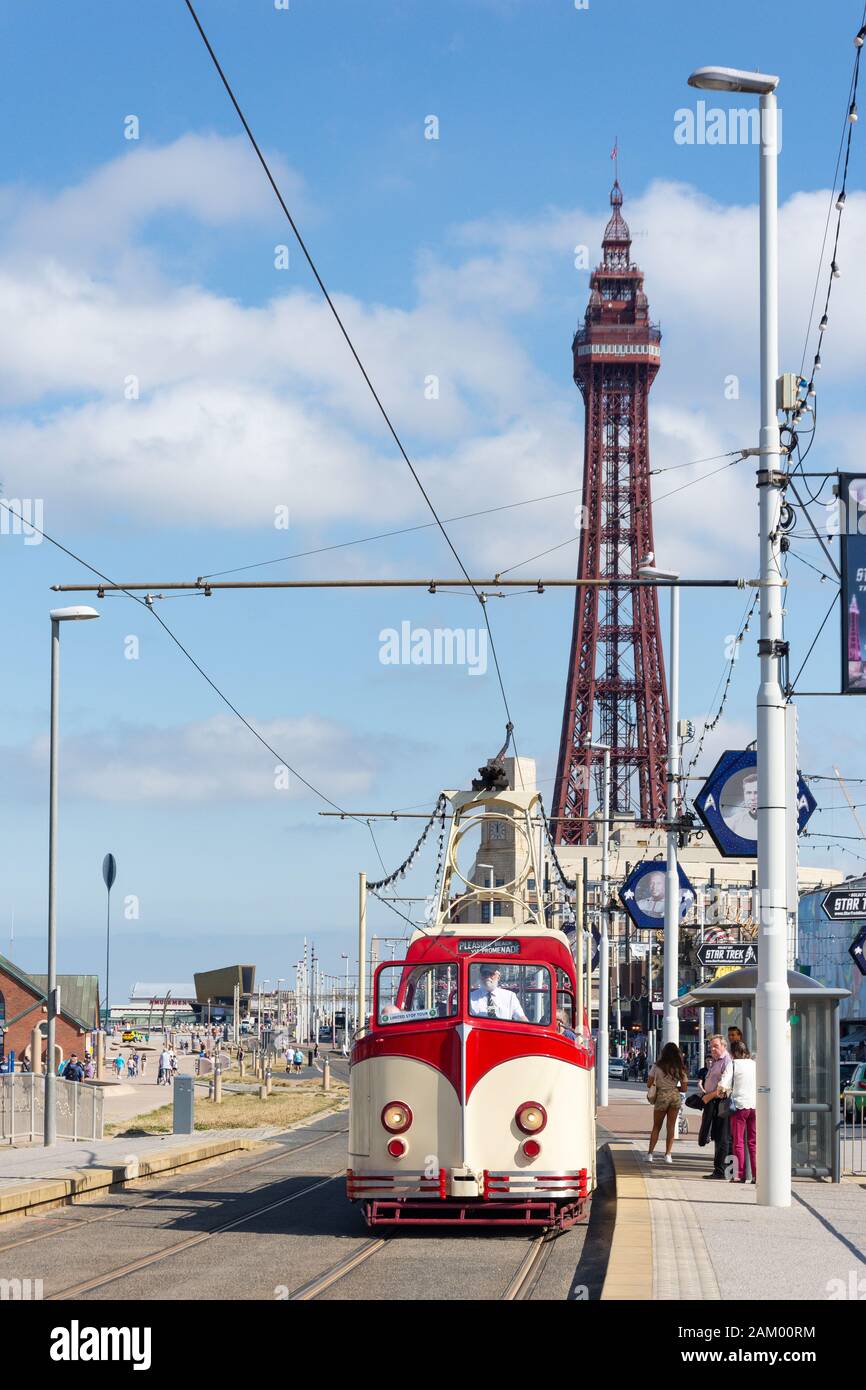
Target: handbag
column 694, row 1102
column 732, row 1104
column 652, row 1092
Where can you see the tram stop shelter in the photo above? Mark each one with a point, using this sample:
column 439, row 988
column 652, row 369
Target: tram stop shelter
column 814, row 1025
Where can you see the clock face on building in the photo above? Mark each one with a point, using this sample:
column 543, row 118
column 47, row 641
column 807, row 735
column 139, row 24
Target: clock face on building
column 496, row 830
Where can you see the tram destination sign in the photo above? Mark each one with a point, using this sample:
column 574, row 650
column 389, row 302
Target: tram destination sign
column 845, row 904
column 740, row 954
column 471, row 945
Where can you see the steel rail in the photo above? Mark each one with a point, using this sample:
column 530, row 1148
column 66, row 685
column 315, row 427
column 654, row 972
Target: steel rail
column 64, row 1226
column 188, row 1243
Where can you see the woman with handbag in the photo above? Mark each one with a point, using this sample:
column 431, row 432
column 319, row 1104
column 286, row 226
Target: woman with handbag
column 739, row 1080
column 666, row 1084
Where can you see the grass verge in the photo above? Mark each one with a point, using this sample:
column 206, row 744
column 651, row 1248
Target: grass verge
column 283, row 1107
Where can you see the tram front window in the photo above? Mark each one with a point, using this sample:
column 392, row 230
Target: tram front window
column 520, row 993
column 406, row 993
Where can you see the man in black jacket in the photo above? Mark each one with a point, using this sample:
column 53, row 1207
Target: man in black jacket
column 73, row 1071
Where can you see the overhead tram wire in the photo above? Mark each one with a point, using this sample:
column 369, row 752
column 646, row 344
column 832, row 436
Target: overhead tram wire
column 428, row 525
column 226, row 701
column 738, row 455
column 351, row 346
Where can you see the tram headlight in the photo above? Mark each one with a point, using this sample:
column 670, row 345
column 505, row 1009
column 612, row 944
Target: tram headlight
column 531, row 1117
column 531, row 1148
column 396, row 1117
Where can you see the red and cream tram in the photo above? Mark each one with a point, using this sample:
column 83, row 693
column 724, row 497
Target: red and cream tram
column 472, row 1087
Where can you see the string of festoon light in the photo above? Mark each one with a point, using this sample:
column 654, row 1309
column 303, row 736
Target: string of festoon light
column 807, row 388
column 439, row 810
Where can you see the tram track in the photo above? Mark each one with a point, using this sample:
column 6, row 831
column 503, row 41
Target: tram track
column 66, row 1225
column 188, row 1243
column 520, row 1287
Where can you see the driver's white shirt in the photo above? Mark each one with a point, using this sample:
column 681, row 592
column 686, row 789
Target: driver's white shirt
column 505, row 1002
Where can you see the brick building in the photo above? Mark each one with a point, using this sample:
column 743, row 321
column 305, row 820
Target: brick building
column 23, row 1004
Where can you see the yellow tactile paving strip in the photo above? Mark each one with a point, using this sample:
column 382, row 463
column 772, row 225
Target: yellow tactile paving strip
column 658, row 1250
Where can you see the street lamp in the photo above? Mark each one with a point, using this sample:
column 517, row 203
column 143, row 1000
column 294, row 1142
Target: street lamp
column 58, row 616
column 670, row 977
column 772, row 997
column 603, row 1048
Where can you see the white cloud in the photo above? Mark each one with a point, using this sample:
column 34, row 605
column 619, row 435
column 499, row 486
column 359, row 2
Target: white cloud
column 244, row 408
column 207, row 761
column 211, row 178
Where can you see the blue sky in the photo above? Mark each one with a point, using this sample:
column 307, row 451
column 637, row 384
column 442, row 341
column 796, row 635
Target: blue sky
column 154, row 259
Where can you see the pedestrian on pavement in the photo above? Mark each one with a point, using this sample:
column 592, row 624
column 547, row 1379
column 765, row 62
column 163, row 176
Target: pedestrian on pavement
column 119, row 1064
column 290, row 1057
column 739, row 1080
column 131, row 1067
column 734, row 1035
column 143, row 1063
column 716, row 1124
column 89, row 1067
column 162, row 1076
column 73, row 1071
column 667, row 1083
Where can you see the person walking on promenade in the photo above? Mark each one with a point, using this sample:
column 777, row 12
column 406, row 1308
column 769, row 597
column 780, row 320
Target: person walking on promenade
column 143, row 1064
column 715, row 1123
column 739, row 1080
column 666, row 1084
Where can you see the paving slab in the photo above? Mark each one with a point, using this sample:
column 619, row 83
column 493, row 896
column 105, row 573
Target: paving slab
column 710, row 1240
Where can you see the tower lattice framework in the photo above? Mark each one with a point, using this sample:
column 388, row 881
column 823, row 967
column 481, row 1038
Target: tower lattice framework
column 616, row 692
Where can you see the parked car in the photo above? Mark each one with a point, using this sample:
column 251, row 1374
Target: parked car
column 617, row 1069
column 852, row 1077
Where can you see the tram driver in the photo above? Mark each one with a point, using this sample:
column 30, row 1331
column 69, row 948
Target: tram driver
column 491, row 1000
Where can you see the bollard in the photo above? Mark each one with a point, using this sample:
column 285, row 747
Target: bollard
column 218, row 1088
column 263, row 1093
column 326, row 1075
column 36, row 1051
column 268, row 1081
column 242, row 1064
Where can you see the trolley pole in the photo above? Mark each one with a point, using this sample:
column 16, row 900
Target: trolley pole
column 362, row 950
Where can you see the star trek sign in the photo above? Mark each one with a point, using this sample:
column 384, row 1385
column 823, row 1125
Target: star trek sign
column 844, row 904
column 728, row 804
column 643, row 895
column 856, row 949
column 738, row 954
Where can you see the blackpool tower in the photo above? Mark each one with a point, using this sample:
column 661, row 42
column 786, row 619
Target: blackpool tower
column 616, row 693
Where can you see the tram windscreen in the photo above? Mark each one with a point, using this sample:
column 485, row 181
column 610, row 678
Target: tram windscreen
column 405, row 993
column 520, row 993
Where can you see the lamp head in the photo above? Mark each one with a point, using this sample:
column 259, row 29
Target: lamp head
column 76, row 614
column 733, row 80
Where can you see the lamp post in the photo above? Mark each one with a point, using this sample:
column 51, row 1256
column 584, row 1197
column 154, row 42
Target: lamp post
column 58, row 616
column 603, row 1049
column 670, row 975
column 772, row 997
